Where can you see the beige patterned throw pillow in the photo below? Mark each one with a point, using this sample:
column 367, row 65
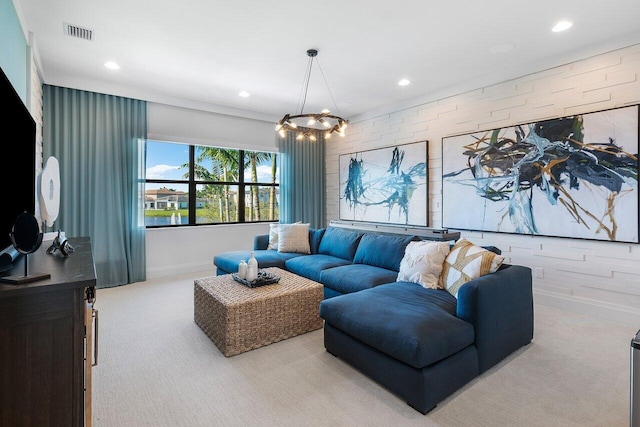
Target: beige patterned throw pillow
column 294, row 238
column 466, row 262
column 422, row 263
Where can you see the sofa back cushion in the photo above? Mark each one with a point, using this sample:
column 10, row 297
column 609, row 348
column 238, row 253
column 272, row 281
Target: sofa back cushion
column 339, row 243
column 381, row 250
column 315, row 237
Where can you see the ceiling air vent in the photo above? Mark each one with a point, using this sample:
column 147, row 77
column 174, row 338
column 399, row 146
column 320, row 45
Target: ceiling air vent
column 79, row 32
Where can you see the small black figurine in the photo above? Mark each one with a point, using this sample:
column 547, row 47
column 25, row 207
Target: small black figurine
column 60, row 244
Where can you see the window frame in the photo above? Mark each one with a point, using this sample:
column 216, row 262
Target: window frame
column 192, row 184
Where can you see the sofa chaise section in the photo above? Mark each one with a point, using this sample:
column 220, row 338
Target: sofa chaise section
column 227, row 262
column 423, row 344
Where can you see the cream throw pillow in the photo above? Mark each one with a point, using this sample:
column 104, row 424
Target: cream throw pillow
column 422, row 263
column 466, row 262
column 294, row 238
column 273, row 235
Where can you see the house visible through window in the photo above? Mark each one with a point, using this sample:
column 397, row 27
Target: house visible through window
column 195, row 184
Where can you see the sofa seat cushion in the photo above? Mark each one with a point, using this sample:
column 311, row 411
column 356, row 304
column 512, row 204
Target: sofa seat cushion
column 381, row 250
column 228, row 261
column 310, row 266
column 356, row 277
column 403, row 320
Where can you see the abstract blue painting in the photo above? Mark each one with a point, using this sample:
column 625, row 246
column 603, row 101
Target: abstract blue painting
column 574, row 176
column 385, row 185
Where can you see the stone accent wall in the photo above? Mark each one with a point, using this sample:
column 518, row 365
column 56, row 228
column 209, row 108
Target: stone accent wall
column 35, row 108
column 597, row 278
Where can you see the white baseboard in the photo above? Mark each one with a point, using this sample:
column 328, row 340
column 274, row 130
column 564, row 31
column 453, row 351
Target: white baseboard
column 597, row 309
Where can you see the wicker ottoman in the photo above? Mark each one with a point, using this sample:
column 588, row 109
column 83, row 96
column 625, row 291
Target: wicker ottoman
column 238, row 318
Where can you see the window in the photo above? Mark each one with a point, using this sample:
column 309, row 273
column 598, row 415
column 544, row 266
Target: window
column 195, row 184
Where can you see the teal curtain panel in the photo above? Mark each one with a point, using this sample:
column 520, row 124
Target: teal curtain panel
column 302, row 180
column 99, row 141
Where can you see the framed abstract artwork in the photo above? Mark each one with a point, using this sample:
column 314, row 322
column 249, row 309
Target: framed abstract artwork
column 386, row 185
column 574, row 176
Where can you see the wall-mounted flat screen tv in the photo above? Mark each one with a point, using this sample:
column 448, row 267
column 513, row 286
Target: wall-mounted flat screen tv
column 18, row 152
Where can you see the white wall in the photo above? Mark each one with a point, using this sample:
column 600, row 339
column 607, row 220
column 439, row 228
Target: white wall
column 597, row 278
column 184, row 249
column 180, row 250
column 178, row 124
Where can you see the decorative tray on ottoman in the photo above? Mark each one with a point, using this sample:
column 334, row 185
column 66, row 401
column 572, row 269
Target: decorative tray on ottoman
column 264, row 278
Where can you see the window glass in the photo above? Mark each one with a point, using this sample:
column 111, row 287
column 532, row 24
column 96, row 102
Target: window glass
column 261, row 167
column 261, row 203
column 166, row 205
column 216, row 164
column 167, row 160
column 216, row 203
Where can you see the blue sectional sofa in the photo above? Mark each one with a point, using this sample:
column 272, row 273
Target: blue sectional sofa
column 421, row 344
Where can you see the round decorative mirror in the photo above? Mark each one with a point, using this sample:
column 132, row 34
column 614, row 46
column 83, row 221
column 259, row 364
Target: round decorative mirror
column 25, row 234
column 26, row 238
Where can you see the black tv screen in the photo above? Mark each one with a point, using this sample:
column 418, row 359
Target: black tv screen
column 19, row 158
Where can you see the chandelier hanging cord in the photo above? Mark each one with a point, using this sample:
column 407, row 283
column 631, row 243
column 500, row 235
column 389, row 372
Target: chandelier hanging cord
column 305, row 84
column 328, row 89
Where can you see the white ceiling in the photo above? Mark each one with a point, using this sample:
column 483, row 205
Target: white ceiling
column 201, row 53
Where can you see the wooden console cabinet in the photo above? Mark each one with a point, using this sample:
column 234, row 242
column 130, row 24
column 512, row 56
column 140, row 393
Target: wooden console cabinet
column 46, row 340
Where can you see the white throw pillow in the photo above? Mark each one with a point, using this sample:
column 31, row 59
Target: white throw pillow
column 273, row 235
column 422, row 263
column 294, row 238
column 466, row 262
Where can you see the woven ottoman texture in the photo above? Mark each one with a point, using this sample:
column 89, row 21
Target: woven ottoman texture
column 238, row 318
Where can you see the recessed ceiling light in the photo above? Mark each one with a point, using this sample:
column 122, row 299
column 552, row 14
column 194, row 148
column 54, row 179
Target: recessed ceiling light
column 111, row 65
column 243, row 94
column 404, row 82
column 562, row 26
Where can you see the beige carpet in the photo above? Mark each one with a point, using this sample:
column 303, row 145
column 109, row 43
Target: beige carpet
column 157, row 368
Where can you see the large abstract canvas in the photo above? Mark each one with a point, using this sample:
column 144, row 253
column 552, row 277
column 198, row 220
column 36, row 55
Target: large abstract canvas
column 386, row 185
column 574, row 176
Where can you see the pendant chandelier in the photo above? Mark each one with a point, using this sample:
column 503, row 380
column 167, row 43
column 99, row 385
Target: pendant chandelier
column 305, row 125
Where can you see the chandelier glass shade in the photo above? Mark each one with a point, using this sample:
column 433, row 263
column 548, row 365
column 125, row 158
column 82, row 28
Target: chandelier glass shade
column 307, row 125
